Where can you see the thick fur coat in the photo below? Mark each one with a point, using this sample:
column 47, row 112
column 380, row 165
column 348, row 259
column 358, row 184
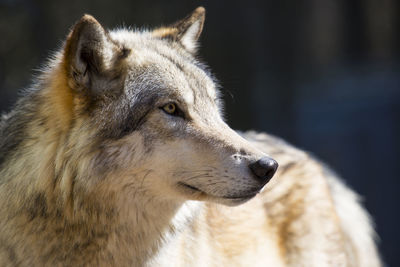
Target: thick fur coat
column 118, row 156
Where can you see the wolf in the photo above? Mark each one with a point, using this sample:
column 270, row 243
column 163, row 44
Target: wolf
column 118, row 155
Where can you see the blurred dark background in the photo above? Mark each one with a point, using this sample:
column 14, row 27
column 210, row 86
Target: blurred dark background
column 323, row 74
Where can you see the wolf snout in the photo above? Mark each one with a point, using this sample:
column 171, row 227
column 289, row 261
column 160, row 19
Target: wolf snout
column 264, row 169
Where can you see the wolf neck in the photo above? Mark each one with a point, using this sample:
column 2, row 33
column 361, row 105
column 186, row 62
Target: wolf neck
column 132, row 228
column 155, row 226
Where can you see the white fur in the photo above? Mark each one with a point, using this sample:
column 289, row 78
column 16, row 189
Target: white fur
column 356, row 224
column 189, row 40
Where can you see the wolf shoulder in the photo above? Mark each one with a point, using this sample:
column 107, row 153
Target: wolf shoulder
column 298, row 176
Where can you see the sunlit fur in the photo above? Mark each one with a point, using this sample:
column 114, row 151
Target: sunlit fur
column 93, row 171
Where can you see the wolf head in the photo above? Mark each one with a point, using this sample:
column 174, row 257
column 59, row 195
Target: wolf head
column 144, row 115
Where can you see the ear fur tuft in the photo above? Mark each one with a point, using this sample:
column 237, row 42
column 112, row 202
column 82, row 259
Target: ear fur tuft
column 186, row 31
column 90, row 54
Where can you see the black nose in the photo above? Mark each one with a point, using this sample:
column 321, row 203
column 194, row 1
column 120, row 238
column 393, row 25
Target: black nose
column 264, row 168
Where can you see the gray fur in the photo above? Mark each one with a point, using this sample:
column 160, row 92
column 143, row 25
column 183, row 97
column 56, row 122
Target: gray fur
column 95, row 172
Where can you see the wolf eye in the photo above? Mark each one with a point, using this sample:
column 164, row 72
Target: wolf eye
column 172, row 109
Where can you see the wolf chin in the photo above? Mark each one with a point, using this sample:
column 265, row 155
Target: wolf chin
column 118, row 156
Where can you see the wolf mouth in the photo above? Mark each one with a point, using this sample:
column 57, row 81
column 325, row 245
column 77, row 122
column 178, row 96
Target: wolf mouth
column 248, row 196
column 191, row 188
column 194, row 190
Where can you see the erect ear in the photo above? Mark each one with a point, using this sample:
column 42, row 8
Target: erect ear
column 186, row 31
column 90, row 56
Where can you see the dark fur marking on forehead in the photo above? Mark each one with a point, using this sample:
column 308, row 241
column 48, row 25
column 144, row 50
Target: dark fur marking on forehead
column 186, row 74
column 189, row 60
column 173, row 61
column 181, row 68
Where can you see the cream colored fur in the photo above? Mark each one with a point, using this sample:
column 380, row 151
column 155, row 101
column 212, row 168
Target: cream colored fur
column 95, row 172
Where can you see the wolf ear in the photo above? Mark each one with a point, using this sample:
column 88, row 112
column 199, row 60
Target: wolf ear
column 90, row 55
column 186, row 31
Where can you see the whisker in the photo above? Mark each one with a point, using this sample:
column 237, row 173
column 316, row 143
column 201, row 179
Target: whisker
column 218, row 182
column 197, row 176
column 193, row 171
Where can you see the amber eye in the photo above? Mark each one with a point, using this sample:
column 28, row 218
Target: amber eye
column 173, row 110
column 170, row 108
